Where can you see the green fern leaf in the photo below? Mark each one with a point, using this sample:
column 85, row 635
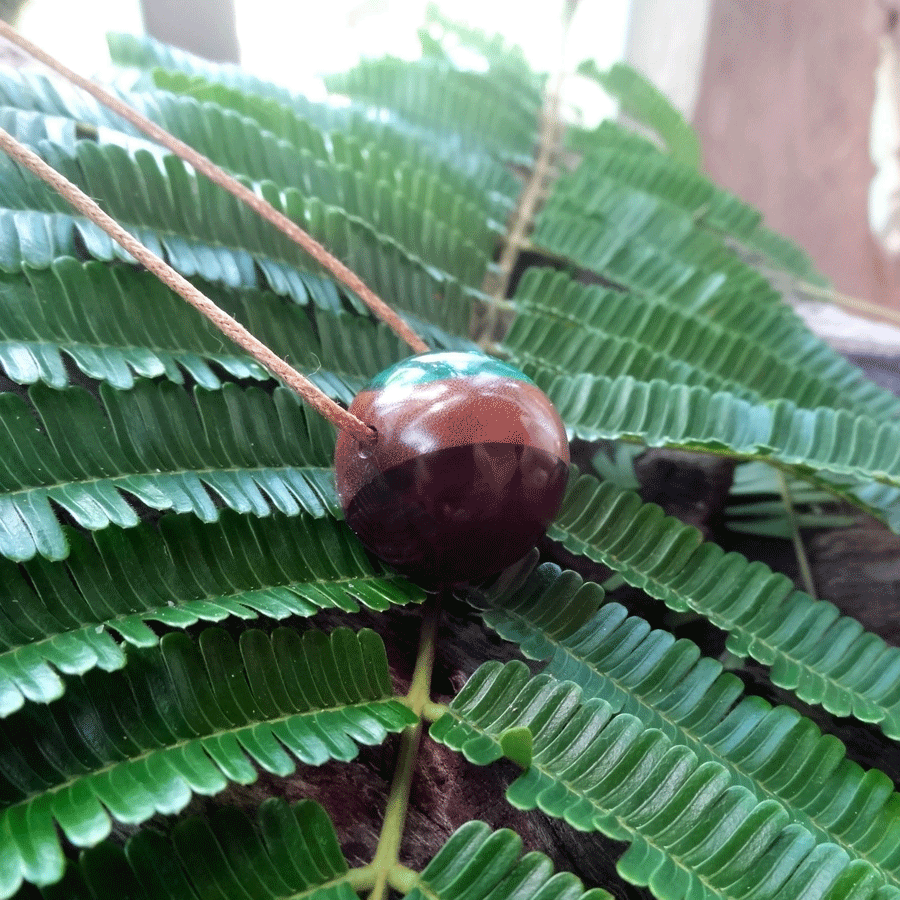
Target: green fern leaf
column 31, row 91
column 477, row 863
column 588, row 327
column 147, row 53
column 416, row 210
column 181, row 72
column 824, row 657
column 69, row 115
column 693, row 264
column 476, row 176
column 783, row 254
column 431, row 94
column 642, row 101
column 289, row 851
column 291, row 156
column 117, row 581
column 824, row 441
column 617, row 182
column 162, row 445
column 182, row 719
column 608, row 135
column 503, row 64
column 85, row 312
column 292, row 851
column 623, row 172
column 774, row 752
column 31, row 128
column 201, row 230
column 693, row 833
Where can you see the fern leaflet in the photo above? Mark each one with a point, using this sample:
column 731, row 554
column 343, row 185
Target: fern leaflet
column 182, row 719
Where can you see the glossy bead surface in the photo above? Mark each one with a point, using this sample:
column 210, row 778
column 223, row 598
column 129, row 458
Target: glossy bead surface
column 468, row 470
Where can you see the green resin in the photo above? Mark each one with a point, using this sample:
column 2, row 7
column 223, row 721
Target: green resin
column 442, row 366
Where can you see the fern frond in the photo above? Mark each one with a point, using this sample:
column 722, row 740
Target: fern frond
column 693, row 833
column 195, row 108
column 643, row 102
column 292, row 851
column 756, row 504
column 617, row 170
column 621, row 173
column 288, row 851
column 413, row 207
column 60, row 617
column 824, row 657
column 182, row 719
column 774, row 752
column 692, row 264
column 465, row 106
column 116, row 323
column 476, row 176
column 568, row 347
column 31, row 91
column 822, row 441
column 161, row 444
column 418, row 212
column 30, row 128
column 201, row 230
column 477, row 863
column 768, row 351
column 493, row 49
column 608, row 134
column 178, row 71
column 785, row 255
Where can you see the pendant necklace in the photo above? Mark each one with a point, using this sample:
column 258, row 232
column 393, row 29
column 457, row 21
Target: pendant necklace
column 450, row 466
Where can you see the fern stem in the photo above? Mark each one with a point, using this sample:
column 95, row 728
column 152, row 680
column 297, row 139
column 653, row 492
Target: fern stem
column 535, row 190
column 218, row 176
column 385, row 864
column 229, row 326
column 864, row 307
column 799, row 549
column 360, row 879
column 431, row 712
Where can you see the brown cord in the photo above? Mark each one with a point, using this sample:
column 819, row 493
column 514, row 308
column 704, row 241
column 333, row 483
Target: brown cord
column 225, row 323
column 202, row 164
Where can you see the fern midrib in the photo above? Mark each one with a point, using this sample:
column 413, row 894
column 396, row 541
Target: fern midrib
column 184, row 742
column 655, row 588
column 339, row 581
column 692, row 740
column 573, row 791
column 161, row 474
column 67, row 343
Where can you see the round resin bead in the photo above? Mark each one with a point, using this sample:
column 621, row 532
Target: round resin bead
column 467, row 472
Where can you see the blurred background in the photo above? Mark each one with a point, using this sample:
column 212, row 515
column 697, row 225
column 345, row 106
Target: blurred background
column 797, row 102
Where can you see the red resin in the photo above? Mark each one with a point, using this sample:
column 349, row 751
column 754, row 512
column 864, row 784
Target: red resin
column 462, row 513
column 466, row 474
